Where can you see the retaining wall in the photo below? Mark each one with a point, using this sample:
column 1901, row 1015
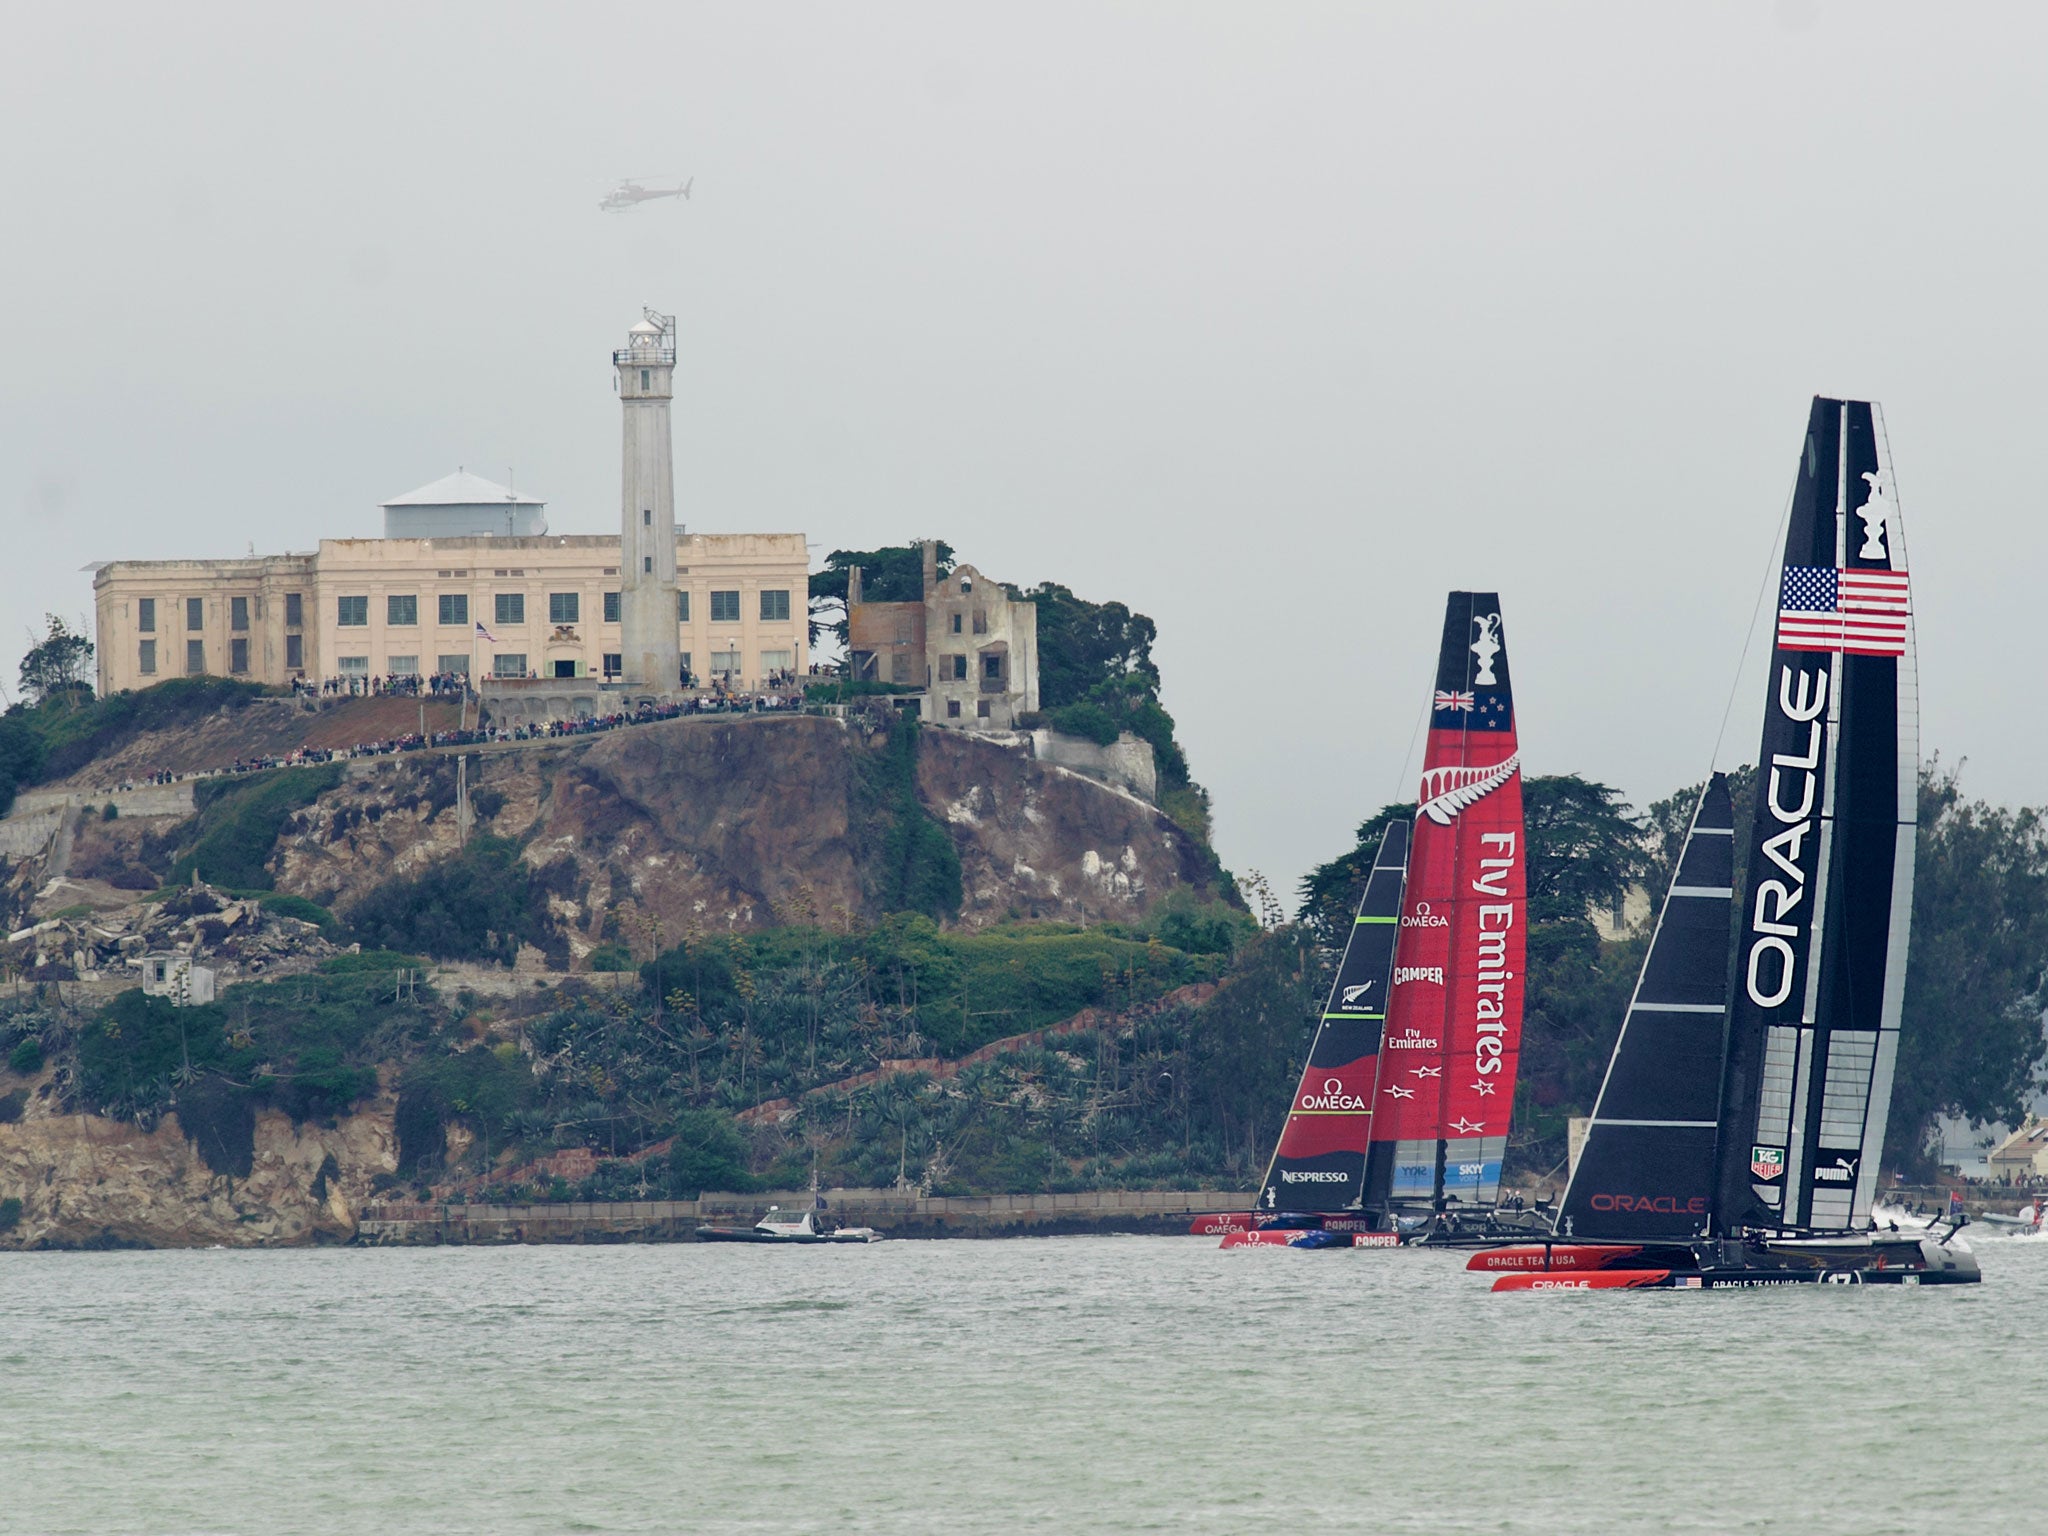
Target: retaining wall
column 888, row 1211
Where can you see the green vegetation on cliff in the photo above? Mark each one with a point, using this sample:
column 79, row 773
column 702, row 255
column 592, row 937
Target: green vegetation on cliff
column 480, row 905
column 231, row 840
column 914, row 866
column 69, row 728
column 308, row 1045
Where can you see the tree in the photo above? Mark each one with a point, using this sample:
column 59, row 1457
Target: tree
column 1585, row 851
column 1970, row 1038
column 57, row 666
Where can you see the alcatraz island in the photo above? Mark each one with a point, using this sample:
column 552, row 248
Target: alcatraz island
column 483, row 883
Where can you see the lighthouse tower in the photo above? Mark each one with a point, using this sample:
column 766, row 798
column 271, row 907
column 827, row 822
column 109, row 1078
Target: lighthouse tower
column 650, row 648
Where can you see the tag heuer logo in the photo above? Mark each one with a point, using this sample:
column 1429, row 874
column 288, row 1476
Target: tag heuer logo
column 1767, row 1162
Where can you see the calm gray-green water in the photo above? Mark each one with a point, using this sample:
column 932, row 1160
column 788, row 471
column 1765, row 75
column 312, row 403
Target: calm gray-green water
column 1070, row 1384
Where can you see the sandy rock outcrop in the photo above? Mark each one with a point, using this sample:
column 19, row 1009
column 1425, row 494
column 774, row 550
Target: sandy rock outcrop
column 85, row 1181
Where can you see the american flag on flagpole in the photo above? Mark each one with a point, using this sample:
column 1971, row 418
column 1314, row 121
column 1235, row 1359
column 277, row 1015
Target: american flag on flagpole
column 1857, row 612
column 485, row 634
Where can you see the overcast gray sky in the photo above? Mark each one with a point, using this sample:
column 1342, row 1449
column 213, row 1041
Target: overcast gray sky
column 1274, row 322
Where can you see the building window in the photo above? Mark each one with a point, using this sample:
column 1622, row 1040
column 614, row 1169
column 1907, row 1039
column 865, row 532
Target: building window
column 295, row 652
column 454, row 608
column 352, row 612
column 294, row 610
column 195, row 613
column 952, row 709
column 645, row 376
column 614, row 663
column 981, row 709
column 145, row 615
column 566, row 668
column 647, row 564
column 899, row 666
column 148, row 658
column 646, row 518
column 402, row 610
column 725, row 662
column 454, row 666
column 956, row 623
column 775, row 606
column 238, row 656
column 992, row 667
column 195, row 657
column 774, row 661
column 401, row 666
column 352, row 666
column 725, row 607
column 238, row 614
column 565, row 607
column 508, row 664
column 611, row 607
column 682, row 607
column 511, row 609
column 953, row 668
column 981, row 621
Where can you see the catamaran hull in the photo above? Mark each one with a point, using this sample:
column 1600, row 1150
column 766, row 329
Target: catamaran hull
column 1314, row 1237
column 1725, row 1266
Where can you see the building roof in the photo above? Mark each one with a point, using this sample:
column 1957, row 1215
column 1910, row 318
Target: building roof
column 2022, row 1145
column 462, row 489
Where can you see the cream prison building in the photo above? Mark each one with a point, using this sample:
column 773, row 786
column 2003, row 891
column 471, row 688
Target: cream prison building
column 467, row 579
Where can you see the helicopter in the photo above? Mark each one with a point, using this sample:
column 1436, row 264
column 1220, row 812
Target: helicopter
column 630, row 191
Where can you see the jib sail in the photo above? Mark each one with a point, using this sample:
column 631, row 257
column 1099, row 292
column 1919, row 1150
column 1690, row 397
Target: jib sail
column 1454, row 1024
column 1321, row 1162
column 1820, row 963
column 1647, row 1168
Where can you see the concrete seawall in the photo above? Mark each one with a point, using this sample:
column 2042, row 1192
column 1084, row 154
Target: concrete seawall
column 888, row 1211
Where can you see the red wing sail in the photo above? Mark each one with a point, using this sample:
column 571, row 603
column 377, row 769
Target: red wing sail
column 1454, row 1025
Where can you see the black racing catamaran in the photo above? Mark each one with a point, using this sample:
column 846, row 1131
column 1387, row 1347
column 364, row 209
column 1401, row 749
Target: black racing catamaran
column 1736, row 1138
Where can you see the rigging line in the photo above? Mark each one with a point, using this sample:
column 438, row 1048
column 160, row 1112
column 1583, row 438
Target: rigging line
column 1749, row 638
column 1408, row 760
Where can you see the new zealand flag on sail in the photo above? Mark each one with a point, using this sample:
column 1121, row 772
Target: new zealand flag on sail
column 1481, row 709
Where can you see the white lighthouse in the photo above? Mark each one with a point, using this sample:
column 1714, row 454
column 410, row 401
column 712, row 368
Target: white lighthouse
column 650, row 648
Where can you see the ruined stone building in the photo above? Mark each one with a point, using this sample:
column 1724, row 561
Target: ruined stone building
column 969, row 646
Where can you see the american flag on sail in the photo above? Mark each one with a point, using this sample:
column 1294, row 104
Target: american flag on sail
column 1859, row 612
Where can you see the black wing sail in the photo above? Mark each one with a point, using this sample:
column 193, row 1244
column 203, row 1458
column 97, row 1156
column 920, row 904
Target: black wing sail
column 1321, row 1161
column 1647, row 1168
column 1820, row 964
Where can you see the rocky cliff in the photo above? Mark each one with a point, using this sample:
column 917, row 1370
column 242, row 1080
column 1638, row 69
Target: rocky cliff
column 89, row 1182
column 742, row 822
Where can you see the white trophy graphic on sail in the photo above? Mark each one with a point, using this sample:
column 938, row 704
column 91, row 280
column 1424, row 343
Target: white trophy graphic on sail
column 1874, row 512
column 1486, row 647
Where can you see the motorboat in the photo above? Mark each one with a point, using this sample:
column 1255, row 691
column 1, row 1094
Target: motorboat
column 780, row 1226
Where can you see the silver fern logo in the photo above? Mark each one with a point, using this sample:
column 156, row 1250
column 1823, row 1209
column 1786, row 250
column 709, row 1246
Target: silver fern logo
column 1447, row 791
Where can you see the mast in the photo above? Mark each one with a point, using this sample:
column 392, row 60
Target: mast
column 1321, row 1161
column 1822, row 934
column 1454, row 1025
column 1647, row 1169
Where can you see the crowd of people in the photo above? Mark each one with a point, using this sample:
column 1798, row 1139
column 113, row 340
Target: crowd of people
column 437, row 685
column 716, row 701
